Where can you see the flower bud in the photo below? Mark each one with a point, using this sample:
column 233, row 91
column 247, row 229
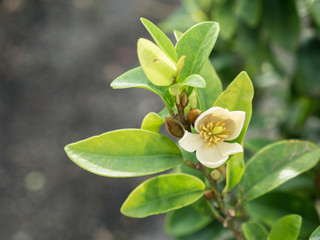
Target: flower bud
column 193, row 115
column 183, row 98
column 157, row 66
column 174, row 128
column 215, row 174
column 208, row 194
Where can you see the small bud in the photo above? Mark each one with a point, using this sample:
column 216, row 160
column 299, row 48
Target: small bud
column 232, row 212
column 193, row 115
column 216, row 174
column 174, row 128
column 157, row 66
column 184, row 98
column 208, row 194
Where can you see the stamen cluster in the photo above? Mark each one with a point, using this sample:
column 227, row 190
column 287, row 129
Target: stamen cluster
column 214, row 132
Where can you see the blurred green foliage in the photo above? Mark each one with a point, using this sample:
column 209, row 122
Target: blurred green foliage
column 278, row 44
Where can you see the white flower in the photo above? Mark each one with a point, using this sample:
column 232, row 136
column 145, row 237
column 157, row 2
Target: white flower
column 215, row 126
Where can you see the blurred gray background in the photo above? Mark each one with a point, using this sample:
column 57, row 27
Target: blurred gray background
column 57, row 60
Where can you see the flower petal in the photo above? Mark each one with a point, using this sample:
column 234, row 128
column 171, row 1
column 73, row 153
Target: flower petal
column 190, row 141
column 210, row 157
column 207, row 116
column 227, row 149
column 235, row 123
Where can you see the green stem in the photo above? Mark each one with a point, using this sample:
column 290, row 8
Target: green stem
column 229, row 221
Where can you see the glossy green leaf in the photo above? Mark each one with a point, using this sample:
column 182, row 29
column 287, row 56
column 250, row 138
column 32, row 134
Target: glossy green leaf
column 185, row 221
column 316, row 234
column 206, row 96
column 125, row 153
column 227, row 19
column 272, row 206
column 287, row 228
column 161, row 39
column 137, row 78
column 255, row 144
column 254, row 231
column 237, row 97
column 152, row 122
column 284, row 16
column 162, row 194
column 276, row 164
column 250, row 11
column 302, row 185
column 157, row 66
column 193, row 80
column 196, row 44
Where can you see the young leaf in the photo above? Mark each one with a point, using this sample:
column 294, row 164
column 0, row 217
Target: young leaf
column 137, row 78
column 316, row 234
column 160, row 38
column 272, row 206
column 125, row 153
column 237, row 97
column 158, row 67
column 287, row 228
column 254, row 231
column 162, row 194
column 276, row 164
column 196, row 44
column 207, row 96
column 152, row 122
column 185, row 221
column 193, row 80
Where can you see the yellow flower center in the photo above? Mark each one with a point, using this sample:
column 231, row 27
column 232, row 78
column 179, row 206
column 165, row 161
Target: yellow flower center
column 214, row 132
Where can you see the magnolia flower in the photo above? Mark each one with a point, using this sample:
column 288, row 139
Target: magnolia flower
column 215, row 126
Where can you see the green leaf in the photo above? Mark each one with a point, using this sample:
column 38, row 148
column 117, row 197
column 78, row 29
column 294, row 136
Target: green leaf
column 185, row 221
column 193, row 80
column 272, row 206
column 137, row 78
column 237, row 97
column 196, row 44
column 162, row 194
column 152, row 122
column 316, row 234
column 227, row 19
column 215, row 230
column 250, row 11
column 255, row 144
column 125, row 153
column 160, row 38
column 177, row 34
column 276, row 164
column 287, row 228
column 254, row 231
column 284, row 16
column 207, row 96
